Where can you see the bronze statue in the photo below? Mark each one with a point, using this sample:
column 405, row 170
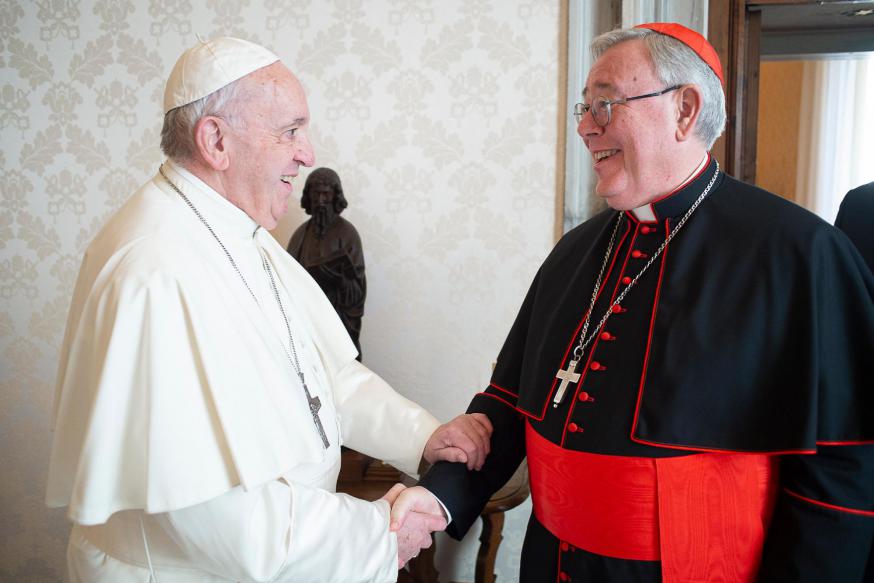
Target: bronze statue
column 329, row 248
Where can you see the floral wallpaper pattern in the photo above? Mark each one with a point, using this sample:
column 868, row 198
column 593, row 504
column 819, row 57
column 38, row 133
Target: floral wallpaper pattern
column 441, row 119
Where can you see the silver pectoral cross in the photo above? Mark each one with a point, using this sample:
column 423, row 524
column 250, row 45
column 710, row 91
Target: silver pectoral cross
column 316, row 404
column 567, row 376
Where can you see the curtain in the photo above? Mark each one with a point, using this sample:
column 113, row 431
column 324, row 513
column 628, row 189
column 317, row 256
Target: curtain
column 836, row 132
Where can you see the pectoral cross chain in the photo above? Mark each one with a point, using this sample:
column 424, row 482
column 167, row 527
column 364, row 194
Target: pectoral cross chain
column 314, row 403
column 567, row 377
column 570, row 375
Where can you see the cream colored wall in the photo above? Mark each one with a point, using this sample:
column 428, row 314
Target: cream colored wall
column 777, row 140
column 439, row 117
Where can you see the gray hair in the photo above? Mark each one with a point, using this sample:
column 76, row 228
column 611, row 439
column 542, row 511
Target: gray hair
column 677, row 64
column 177, row 134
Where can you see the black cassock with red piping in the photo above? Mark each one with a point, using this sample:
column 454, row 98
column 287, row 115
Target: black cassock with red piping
column 751, row 333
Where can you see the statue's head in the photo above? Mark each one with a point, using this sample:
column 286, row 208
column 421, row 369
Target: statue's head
column 323, row 198
column 323, row 188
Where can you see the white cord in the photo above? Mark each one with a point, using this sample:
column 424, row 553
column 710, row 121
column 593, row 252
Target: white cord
column 146, row 546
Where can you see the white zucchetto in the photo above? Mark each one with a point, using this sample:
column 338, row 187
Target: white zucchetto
column 209, row 66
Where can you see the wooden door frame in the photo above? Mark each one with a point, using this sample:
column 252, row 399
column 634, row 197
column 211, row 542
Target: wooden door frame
column 735, row 31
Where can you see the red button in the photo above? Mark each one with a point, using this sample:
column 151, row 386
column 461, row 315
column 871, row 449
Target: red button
column 563, row 576
column 584, row 396
column 606, row 336
column 637, row 254
column 564, row 547
column 626, row 280
column 646, row 230
column 617, row 308
column 574, row 428
column 597, row 366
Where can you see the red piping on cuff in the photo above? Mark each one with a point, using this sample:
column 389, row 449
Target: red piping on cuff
column 830, row 506
column 862, row 442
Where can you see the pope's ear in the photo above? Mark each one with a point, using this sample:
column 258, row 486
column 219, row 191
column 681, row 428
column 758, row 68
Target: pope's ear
column 211, row 141
column 689, row 101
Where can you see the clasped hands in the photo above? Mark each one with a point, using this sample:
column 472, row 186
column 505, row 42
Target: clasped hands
column 416, row 512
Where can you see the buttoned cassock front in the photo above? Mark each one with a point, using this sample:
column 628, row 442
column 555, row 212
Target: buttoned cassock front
column 181, row 426
column 751, row 337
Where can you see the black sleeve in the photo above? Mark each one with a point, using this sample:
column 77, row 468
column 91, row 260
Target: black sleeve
column 823, row 523
column 465, row 493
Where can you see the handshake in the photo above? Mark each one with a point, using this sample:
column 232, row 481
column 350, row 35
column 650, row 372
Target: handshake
column 416, row 512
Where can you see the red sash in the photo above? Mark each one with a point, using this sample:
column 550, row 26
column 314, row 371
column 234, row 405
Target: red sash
column 704, row 516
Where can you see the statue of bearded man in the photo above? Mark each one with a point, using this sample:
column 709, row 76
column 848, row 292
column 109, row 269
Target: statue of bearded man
column 329, row 248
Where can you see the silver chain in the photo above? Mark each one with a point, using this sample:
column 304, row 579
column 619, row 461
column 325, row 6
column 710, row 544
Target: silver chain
column 292, row 358
column 295, row 362
column 584, row 342
column 208, row 228
column 598, row 282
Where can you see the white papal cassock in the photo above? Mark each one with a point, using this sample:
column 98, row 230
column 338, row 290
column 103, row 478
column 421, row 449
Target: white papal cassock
column 182, row 434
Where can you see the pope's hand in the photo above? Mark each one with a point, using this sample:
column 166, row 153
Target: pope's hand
column 393, row 494
column 415, row 514
column 465, row 439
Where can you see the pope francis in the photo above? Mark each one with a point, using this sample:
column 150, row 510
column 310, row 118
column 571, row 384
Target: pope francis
column 206, row 384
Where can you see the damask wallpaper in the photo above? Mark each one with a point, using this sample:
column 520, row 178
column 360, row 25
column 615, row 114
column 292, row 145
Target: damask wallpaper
column 440, row 117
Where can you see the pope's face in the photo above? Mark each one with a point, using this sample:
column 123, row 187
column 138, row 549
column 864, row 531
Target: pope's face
column 633, row 153
column 269, row 144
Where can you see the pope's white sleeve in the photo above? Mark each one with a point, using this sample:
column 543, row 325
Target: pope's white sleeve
column 379, row 422
column 287, row 532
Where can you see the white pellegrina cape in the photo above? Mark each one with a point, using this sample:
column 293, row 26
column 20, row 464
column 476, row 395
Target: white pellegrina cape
column 174, row 390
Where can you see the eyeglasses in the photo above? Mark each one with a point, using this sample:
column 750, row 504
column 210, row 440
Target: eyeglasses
column 602, row 108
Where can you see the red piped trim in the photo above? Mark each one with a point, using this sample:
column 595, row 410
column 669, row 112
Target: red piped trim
column 830, row 506
column 503, row 389
column 652, row 320
column 529, row 414
column 558, row 566
column 587, row 366
column 575, row 336
column 706, row 449
column 643, row 381
column 697, row 448
column 682, row 186
column 504, row 401
column 630, row 216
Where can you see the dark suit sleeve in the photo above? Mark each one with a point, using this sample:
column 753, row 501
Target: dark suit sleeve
column 465, row 492
column 823, row 523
